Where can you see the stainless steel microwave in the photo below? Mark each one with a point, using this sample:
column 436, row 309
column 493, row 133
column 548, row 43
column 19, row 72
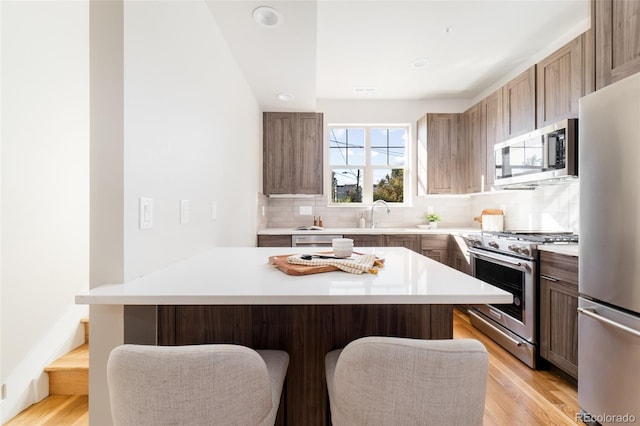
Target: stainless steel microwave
column 545, row 155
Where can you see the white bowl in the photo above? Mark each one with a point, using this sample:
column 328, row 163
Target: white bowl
column 343, row 251
column 423, row 226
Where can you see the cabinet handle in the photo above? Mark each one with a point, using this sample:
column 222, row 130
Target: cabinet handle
column 546, row 277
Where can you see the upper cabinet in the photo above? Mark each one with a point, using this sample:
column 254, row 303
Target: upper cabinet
column 444, row 174
column 292, row 148
column 519, row 104
column 563, row 78
column 491, row 129
column 474, row 149
column 617, row 39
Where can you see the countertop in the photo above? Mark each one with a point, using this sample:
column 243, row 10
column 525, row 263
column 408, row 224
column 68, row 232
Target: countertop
column 243, row 276
column 566, row 249
column 367, row 231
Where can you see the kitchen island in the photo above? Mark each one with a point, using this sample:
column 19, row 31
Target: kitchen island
column 233, row 295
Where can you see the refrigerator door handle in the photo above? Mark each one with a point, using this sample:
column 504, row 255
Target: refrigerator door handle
column 590, row 313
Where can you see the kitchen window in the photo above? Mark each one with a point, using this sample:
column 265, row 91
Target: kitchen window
column 368, row 163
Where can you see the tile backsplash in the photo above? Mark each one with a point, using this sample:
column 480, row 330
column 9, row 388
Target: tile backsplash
column 549, row 208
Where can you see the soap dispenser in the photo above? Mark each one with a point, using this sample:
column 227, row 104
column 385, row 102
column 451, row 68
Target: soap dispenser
column 361, row 223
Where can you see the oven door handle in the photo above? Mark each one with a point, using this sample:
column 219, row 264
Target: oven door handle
column 500, row 260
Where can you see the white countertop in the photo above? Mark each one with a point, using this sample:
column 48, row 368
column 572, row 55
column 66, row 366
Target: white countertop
column 243, row 276
column 566, row 249
column 367, row 231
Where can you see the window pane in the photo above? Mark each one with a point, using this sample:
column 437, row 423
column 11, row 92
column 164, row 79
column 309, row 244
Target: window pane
column 388, row 147
column 346, row 185
column 346, row 146
column 388, row 185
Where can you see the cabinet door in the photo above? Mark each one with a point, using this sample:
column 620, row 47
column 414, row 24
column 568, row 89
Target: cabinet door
column 519, row 104
column 278, row 128
column 442, row 152
column 366, row 240
column 561, row 83
column 307, row 164
column 436, row 247
column 491, row 132
column 292, row 153
column 558, row 311
column 412, row 242
column 617, row 39
column 474, row 149
column 458, row 255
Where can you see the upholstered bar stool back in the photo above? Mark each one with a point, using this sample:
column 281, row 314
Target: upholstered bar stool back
column 393, row 381
column 195, row 385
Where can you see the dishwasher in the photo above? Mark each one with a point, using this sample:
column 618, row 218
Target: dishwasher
column 316, row 240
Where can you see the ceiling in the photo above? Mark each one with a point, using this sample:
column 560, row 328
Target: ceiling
column 324, row 49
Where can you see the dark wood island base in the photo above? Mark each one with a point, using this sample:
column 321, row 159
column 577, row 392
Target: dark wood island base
column 306, row 332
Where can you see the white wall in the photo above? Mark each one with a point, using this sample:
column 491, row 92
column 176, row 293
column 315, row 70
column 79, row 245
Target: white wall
column 192, row 132
column 45, row 172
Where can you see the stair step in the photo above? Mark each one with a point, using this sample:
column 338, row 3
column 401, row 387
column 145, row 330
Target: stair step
column 69, row 374
column 85, row 323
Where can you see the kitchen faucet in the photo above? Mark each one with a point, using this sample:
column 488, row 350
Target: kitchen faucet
column 373, row 222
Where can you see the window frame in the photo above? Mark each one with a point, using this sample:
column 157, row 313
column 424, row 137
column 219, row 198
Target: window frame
column 368, row 168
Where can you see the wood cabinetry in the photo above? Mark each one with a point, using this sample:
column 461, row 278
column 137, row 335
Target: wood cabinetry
column 292, row 153
column 366, row 240
column 558, row 311
column 274, row 240
column 445, row 174
column 617, row 39
column 519, row 104
column 410, row 241
column 436, row 247
column 474, row 158
column 562, row 79
column 458, row 255
column 491, row 129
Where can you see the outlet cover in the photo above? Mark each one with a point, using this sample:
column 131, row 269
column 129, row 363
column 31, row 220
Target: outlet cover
column 306, row 210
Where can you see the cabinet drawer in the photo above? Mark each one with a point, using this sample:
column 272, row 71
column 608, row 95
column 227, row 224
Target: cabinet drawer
column 435, row 241
column 559, row 266
column 274, row 240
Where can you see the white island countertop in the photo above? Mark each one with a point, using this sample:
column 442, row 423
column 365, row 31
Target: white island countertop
column 243, row 276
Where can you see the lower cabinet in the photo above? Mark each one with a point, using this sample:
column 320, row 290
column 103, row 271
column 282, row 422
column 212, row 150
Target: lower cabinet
column 274, row 240
column 436, row 247
column 558, row 311
column 458, row 255
column 366, row 240
column 412, row 242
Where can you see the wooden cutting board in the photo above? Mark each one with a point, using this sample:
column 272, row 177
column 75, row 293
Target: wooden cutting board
column 281, row 263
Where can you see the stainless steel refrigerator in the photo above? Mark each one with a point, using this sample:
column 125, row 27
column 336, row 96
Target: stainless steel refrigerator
column 609, row 274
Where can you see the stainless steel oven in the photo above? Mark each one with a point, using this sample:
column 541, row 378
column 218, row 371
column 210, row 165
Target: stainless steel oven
column 512, row 325
column 508, row 260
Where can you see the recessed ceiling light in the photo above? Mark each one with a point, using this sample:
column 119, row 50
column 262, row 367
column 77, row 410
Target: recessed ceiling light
column 365, row 90
column 267, row 16
column 420, row 63
column 285, row 97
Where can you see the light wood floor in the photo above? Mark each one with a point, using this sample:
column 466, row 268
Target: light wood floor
column 516, row 395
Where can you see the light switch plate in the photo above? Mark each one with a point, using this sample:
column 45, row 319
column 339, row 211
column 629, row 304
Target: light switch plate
column 214, row 210
column 184, row 211
column 145, row 213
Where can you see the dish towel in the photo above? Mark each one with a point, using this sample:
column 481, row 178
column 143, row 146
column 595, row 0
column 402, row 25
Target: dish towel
column 357, row 264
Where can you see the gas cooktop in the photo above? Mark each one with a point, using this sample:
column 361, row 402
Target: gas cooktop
column 541, row 237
